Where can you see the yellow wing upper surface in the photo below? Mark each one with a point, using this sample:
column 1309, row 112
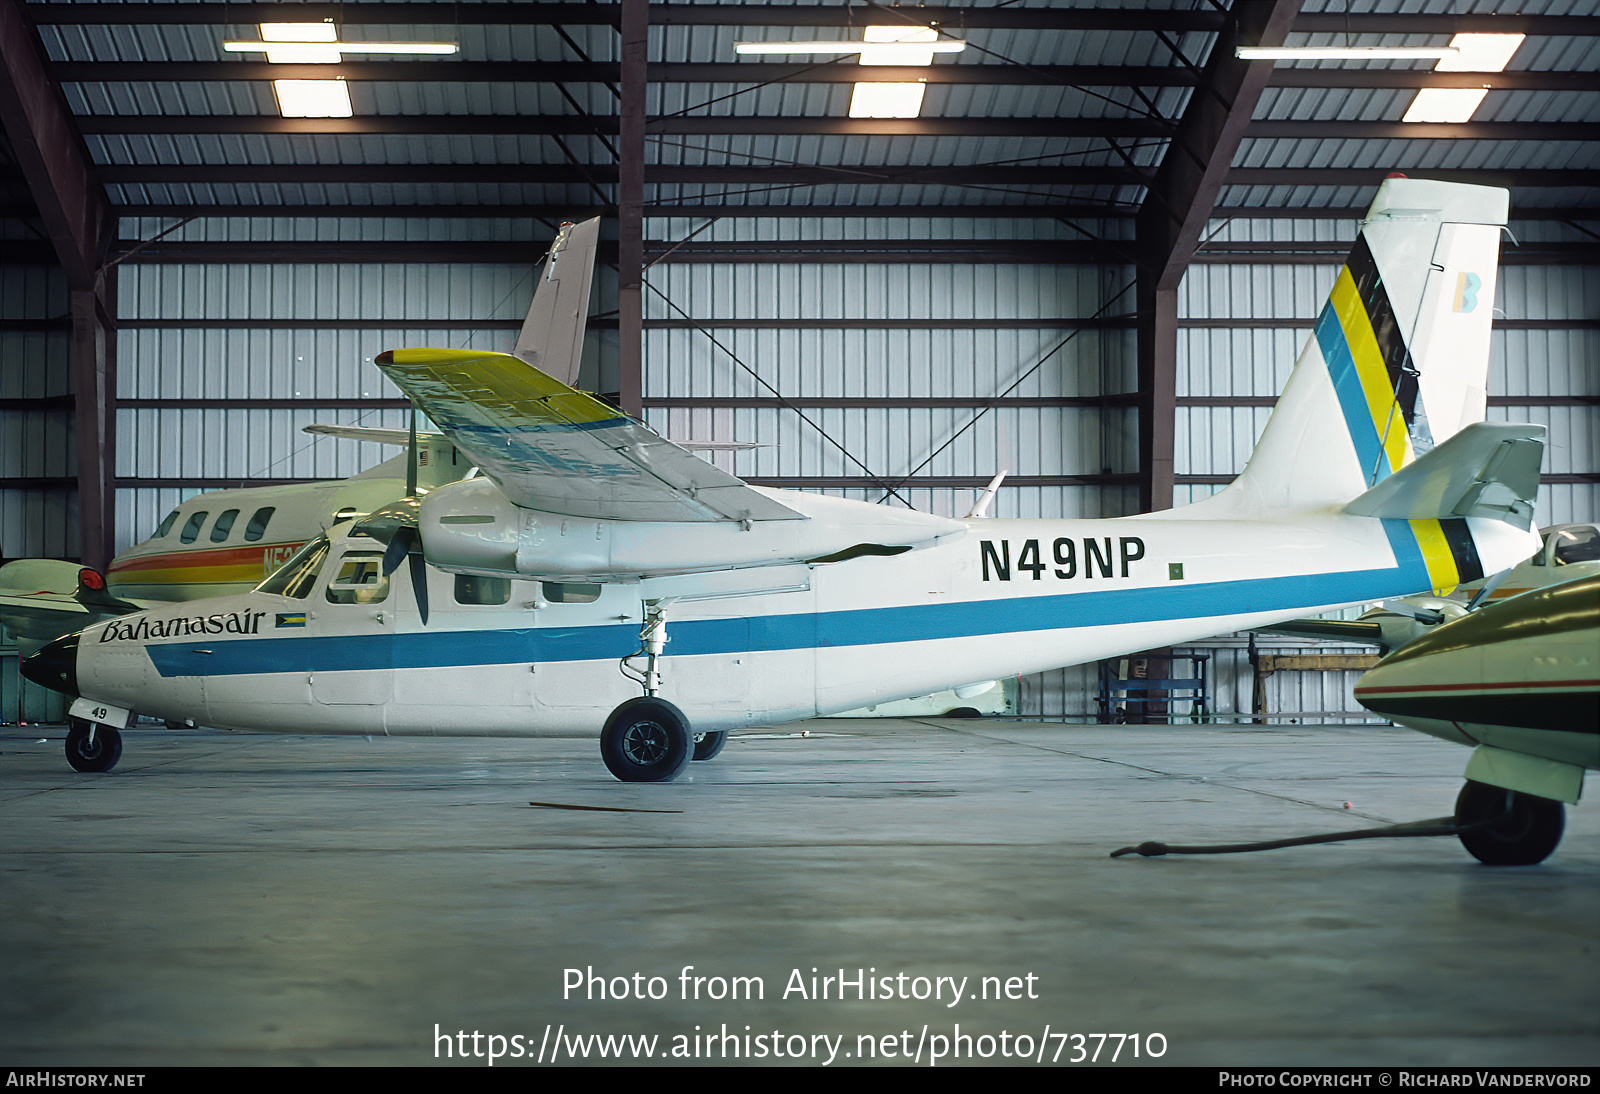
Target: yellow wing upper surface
column 559, row 450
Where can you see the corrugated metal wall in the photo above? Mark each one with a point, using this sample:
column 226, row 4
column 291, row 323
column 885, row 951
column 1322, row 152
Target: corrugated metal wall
column 35, row 444
column 35, row 439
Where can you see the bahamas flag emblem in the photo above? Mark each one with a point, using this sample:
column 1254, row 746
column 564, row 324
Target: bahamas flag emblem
column 293, row 619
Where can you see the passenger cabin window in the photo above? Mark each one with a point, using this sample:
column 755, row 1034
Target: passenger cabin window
column 296, row 577
column 166, row 525
column 471, row 589
column 258, row 524
column 565, row 592
column 1577, row 545
column 360, row 580
column 191, row 530
column 224, row 525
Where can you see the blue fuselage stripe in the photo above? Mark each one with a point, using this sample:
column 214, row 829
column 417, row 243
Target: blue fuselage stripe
column 1352, row 396
column 441, row 648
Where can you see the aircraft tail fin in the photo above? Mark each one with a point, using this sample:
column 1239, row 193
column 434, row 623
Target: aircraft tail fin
column 551, row 339
column 1398, row 358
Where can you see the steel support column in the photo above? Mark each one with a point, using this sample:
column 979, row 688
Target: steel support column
column 93, row 356
column 1175, row 211
column 630, row 206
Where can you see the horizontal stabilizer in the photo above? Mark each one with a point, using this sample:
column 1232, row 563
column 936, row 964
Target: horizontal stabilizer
column 1333, row 630
column 1488, row 469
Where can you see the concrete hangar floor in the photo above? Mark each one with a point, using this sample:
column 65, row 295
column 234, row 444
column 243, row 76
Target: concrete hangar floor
column 241, row 899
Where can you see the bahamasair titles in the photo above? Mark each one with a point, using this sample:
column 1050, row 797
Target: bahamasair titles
column 598, row 578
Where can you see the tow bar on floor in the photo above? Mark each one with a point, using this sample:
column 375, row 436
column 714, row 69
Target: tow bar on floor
column 1438, row 826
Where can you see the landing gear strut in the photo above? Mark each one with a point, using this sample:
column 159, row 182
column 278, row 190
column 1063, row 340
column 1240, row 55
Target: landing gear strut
column 1513, row 829
column 92, row 747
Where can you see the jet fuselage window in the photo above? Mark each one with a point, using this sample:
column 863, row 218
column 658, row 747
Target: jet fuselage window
column 566, row 592
column 360, row 580
column 191, row 529
column 166, row 525
column 224, row 525
column 296, row 577
column 471, row 589
column 258, row 524
column 1577, row 545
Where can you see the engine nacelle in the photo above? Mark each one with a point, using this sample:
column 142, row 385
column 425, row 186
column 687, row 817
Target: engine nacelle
column 471, row 527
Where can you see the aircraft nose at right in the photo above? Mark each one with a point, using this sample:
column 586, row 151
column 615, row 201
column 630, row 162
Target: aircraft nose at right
column 55, row 666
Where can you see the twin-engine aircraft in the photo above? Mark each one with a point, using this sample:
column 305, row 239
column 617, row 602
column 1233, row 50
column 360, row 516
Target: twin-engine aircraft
column 598, row 577
column 1518, row 680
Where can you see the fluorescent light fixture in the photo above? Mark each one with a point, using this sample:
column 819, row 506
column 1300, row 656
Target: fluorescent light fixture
column 886, row 100
column 866, row 49
column 902, row 45
column 1343, row 53
column 318, row 44
column 1474, row 53
column 312, row 98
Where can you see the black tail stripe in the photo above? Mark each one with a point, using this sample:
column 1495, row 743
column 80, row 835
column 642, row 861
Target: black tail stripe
column 1462, row 549
column 1391, row 340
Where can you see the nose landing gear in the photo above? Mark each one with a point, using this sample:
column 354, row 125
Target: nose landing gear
column 92, row 747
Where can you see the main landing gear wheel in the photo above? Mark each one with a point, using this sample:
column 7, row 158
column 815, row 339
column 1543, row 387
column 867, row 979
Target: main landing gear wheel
column 646, row 740
column 707, row 745
column 101, row 754
column 1523, row 829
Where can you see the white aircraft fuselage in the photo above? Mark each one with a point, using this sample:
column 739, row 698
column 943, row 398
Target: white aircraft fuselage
column 744, row 647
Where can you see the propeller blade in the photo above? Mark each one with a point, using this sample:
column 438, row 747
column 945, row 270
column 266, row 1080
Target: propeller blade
column 411, row 458
column 419, row 585
column 399, row 547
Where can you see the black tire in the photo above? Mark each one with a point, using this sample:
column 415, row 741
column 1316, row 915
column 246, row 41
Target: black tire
column 100, row 755
column 707, row 745
column 1521, row 829
column 646, row 741
column 963, row 712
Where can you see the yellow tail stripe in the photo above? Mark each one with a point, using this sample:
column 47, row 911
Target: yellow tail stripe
column 1375, row 383
column 1436, row 555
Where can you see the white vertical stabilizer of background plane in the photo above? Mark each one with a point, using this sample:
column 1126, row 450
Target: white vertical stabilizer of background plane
column 551, row 338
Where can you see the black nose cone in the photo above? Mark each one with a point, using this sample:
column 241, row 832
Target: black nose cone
column 55, row 666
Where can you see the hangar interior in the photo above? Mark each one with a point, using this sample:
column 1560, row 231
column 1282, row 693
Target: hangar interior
column 1089, row 259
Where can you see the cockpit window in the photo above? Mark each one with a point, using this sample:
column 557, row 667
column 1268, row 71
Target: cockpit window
column 296, row 577
column 258, row 524
column 360, row 580
column 1577, row 545
column 166, row 525
column 471, row 589
column 191, row 529
column 224, row 525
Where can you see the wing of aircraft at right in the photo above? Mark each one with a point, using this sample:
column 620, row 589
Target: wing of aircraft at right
column 1375, row 478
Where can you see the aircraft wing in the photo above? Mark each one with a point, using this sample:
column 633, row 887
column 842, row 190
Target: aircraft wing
column 553, row 448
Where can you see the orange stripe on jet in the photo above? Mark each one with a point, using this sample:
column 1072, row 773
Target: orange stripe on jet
column 254, row 555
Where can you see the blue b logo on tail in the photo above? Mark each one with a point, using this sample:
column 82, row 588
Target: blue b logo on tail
column 1467, row 286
